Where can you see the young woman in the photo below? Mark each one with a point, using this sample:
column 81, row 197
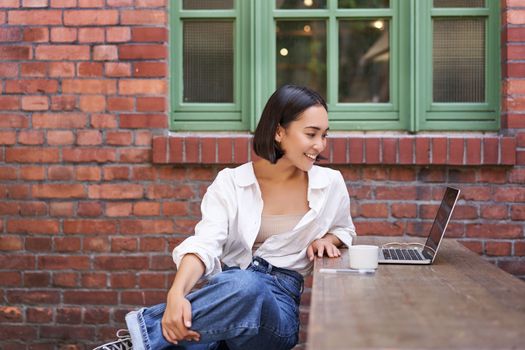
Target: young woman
column 262, row 224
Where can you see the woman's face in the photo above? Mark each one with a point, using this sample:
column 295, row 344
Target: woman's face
column 304, row 138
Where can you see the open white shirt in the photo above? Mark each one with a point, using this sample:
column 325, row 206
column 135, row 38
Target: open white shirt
column 231, row 216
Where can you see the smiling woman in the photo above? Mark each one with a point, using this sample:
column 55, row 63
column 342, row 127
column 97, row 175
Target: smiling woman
column 262, row 224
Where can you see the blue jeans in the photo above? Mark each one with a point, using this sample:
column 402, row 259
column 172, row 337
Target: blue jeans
column 256, row 308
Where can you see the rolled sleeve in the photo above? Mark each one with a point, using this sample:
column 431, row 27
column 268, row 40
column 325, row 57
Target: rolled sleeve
column 211, row 232
column 192, row 245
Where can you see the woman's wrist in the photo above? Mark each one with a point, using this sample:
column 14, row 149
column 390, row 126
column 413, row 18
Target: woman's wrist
column 330, row 237
column 176, row 293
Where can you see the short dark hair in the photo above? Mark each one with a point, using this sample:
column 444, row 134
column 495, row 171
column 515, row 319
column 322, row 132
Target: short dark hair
column 283, row 107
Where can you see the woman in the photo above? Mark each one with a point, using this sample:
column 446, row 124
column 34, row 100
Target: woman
column 262, row 224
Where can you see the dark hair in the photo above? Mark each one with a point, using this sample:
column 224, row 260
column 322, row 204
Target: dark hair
column 283, row 107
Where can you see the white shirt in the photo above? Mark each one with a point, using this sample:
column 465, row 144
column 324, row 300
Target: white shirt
column 231, row 216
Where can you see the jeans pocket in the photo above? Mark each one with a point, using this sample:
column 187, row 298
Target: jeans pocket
column 290, row 286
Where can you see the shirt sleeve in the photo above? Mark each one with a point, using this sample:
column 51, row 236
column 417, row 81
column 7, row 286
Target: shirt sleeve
column 343, row 227
column 212, row 231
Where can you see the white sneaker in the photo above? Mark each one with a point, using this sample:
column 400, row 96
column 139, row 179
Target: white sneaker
column 123, row 342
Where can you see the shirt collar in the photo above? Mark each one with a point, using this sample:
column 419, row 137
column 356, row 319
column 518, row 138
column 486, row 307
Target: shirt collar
column 245, row 176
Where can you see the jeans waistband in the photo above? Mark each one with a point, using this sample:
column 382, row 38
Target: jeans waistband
column 264, row 266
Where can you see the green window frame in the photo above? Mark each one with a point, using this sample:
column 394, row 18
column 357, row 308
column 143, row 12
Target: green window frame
column 455, row 116
column 411, row 107
column 212, row 116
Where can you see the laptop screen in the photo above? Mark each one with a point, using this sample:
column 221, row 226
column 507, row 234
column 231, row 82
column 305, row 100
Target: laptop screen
column 441, row 221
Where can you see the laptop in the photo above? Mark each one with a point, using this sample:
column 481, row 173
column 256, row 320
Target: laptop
column 424, row 254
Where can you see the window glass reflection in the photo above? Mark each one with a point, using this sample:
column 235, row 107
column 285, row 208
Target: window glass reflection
column 300, row 4
column 356, row 4
column 301, row 54
column 364, row 60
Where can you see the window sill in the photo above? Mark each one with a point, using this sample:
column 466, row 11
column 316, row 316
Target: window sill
column 384, row 149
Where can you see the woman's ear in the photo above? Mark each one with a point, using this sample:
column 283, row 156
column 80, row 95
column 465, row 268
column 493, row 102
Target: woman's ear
column 279, row 133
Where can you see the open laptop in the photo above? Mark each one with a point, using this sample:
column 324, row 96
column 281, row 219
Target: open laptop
column 426, row 253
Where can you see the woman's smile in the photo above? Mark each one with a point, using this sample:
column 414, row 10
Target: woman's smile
column 310, row 156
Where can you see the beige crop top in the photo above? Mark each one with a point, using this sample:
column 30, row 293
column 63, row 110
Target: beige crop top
column 272, row 225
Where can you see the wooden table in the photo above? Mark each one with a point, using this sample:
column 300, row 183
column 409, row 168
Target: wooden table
column 459, row 302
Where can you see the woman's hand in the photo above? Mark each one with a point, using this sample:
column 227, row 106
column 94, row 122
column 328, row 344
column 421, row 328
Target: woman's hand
column 177, row 319
column 322, row 245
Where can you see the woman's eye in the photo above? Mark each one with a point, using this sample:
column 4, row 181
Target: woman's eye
column 310, row 135
column 325, row 136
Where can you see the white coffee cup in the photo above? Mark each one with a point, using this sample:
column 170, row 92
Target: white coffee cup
column 363, row 256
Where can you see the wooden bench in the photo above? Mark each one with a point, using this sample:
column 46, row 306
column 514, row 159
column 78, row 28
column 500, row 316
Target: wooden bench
column 459, row 302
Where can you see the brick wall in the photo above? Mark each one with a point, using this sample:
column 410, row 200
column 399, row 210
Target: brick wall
column 95, row 193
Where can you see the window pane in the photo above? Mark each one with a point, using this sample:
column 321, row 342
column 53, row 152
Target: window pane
column 459, row 3
column 207, row 4
column 300, row 4
column 356, row 4
column 364, row 57
column 459, row 60
column 208, row 61
column 301, row 54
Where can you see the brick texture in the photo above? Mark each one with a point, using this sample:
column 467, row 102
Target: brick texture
column 94, row 195
column 415, row 150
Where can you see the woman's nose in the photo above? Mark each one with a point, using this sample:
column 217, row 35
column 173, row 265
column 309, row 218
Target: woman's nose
column 320, row 144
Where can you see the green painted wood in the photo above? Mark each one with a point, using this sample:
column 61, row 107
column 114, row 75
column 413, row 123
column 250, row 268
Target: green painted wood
column 460, row 12
column 404, row 73
column 220, row 113
column 459, row 116
column 210, row 116
column 414, row 102
column 365, row 116
column 207, row 125
column 332, row 61
column 410, row 107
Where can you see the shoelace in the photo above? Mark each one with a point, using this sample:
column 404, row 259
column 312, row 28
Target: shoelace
column 123, row 333
column 123, row 342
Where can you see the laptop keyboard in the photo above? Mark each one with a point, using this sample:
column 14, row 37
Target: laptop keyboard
column 401, row 254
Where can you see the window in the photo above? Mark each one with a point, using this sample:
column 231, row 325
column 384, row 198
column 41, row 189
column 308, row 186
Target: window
column 381, row 64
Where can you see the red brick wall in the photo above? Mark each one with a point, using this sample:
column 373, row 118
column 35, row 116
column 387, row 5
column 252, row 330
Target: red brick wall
column 90, row 209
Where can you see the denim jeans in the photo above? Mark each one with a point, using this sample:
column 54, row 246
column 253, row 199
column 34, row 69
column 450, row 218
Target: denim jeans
column 256, row 308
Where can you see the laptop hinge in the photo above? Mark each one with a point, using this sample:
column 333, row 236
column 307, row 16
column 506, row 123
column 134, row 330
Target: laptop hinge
column 427, row 255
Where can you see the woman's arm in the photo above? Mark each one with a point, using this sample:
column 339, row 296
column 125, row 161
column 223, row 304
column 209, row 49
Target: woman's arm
column 190, row 271
column 177, row 317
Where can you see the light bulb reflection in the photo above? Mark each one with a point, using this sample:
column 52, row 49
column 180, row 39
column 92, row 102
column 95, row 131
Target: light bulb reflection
column 378, row 24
